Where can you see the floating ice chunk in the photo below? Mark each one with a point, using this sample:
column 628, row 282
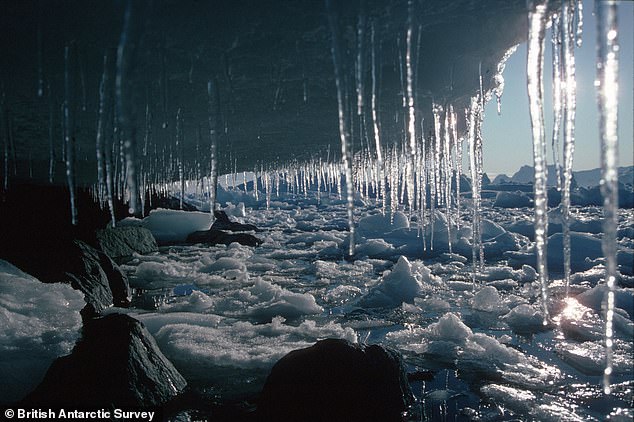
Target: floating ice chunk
column 342, row 294
column 152, row 275
column 273, row 300
column 524, row 402
column 623, row 298
column 491, row 230
column 197, row 302
column 235, row 210
column 230, row 268
column 40, row 322
column 401, row 284
column 488, row 300
column 265, row 300
column 449, row 328
column 517, row 199
column 311, row 238
column 527, row 274
column 175, row 225
column 585, row 249
column 579, row 322
column 480, row 347
column 201, row 351
column 525, row 319
column 376, row 248
column 432, row 304
column 589, row 356
column 378, row 224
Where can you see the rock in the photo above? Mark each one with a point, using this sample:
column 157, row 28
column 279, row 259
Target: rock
column 83, row 267
column 117, row 363
column 335, row 380
column 117, row 281
column 120, row 242
column 222, row 222
column 216, row 237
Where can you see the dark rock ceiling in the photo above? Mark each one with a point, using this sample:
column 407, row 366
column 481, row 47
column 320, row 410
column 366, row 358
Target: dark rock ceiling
column 264, row 54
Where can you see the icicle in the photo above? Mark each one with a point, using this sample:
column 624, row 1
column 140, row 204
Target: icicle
column 411, row 112
column 607, row 84
column 267, row 188
column 475, row 192
column 359, row 65
column 51, row 137
column 535, row 86
column 499, row 77
column 110, row 190
column 579, row 19
column 213, row 97
column 69, row 135
column 104, row 89
column 164, row 85
column 557, row 93
column 40, row 75
column 569, row 111
column 343, row 124
column 5, row 116
column 124, row 90
column 447, row 172
column 180, row 155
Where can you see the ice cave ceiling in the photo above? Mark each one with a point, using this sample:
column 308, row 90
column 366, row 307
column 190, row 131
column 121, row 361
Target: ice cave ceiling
column 271, row 58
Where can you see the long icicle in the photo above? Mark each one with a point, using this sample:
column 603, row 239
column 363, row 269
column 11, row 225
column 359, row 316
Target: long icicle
column 344, row 132
column 557, row 91
column 126, row 51
column 607, row 83
column 214, row 125
column 411, row 111
column 69, row 129
column 375, row 122
column 535, row 86
column 51, row 136
column 569, row 110
column 104, row 89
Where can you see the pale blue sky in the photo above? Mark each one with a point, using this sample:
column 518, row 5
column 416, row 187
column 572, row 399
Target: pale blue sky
column 507, row 139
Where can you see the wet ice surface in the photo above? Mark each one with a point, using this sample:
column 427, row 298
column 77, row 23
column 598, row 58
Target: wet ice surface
column 225, row 314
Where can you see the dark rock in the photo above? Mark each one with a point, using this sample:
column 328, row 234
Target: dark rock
column 117, row 281
column 222, row 222
column 219, row 237
column 83, row 267
column 120, row 242
column 335, row 380
column 116, row 363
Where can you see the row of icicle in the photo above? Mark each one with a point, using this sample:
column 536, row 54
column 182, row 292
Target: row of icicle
column 566, row 28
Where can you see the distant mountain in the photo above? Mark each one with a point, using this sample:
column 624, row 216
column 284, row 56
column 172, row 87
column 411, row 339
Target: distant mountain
column 500, row 179
column 592, row 177
column 526, row 174
column 584, row 178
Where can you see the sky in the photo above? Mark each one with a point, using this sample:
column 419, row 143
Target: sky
column 507, row 141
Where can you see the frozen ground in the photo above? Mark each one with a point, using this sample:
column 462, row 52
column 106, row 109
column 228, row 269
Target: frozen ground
column 225, row 315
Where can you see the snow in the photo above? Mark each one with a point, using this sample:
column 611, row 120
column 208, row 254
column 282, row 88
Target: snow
column 40, row 322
